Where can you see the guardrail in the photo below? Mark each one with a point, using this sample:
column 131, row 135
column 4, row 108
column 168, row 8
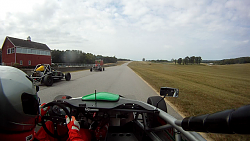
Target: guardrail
column 71, row 65
column 79, row 65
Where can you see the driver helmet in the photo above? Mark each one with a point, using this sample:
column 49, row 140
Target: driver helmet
column 19, row 103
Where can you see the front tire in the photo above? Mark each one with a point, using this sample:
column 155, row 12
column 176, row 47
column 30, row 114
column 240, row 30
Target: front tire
column 67, row 76
column 48, row 80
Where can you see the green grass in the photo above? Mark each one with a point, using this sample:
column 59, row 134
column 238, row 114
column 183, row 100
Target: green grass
column 203, row 89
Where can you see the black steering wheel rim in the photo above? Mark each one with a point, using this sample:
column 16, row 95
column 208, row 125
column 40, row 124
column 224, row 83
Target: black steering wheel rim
column 55, row 135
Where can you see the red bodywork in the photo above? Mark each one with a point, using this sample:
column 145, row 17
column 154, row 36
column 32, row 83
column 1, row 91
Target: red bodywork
column 100, row 62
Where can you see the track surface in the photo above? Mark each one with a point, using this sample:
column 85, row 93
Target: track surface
column 118, row 79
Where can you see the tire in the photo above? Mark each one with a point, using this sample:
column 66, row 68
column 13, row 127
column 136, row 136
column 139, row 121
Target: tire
column 59, row 97
column 91, row 69
column 67, row 76
column 151, row 118
column 103, row 69
column 153, row 101
column 48, row 80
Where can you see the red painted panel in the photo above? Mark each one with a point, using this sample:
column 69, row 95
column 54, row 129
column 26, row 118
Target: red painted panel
column 8, row 59
column 99, row 62
column 35, row 59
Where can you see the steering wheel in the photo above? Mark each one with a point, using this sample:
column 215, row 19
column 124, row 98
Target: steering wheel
column 56, row 120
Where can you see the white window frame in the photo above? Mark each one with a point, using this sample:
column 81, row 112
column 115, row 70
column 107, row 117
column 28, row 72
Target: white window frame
column 24, row 50
column 29, row 62
column 21, row 62
column 18, row 50
column 9, row 51
column 13, row 50
column 33, row 51
column 29, row 51
column 38, row 52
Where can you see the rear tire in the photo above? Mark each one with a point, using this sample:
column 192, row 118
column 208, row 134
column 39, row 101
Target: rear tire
column 103, row 69
column 91, row 69
column 67, row 76
column 48, row 80
column 151, row 118
column 161, row 105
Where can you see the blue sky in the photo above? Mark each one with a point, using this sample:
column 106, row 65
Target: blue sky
column 134, row 29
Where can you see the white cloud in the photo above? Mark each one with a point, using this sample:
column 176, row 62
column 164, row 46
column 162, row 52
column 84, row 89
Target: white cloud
column 133, row 28
column 246, row 41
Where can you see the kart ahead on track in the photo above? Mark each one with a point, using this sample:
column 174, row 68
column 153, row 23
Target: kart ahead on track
column 45, row 74
column 98, row 66
column 112, row 117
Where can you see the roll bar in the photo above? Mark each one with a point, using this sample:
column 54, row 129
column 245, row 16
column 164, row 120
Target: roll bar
column 228, row 122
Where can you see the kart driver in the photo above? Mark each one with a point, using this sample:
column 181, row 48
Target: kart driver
column 20, row 112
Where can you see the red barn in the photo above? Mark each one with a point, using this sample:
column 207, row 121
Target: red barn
column 24, row 52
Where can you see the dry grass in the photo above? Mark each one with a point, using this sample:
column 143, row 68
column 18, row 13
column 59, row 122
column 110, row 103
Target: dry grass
column 121, row 62
column 118, row 63
column 203, row 89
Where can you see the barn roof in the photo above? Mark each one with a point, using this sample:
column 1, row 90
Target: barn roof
column 27, row 44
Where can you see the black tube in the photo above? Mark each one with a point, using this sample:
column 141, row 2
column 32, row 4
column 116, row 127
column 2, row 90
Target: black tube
column 228, row 122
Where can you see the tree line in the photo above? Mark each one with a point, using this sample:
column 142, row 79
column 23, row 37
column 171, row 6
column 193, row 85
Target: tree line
column 77, row 56
column 188, row 60
column 155, row 61
column 240, row 60
column 120, row 59
column 158, row 61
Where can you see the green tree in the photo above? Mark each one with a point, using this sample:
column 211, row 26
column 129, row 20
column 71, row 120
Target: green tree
column 196, row 60
column 90, row 58
column 99, row 57
column 77, row 56
column 179, row 61
column 71, row 56
column 56, row 56
column 109, row 59
column 186, row 60
column 199, row 60
column 192, row 59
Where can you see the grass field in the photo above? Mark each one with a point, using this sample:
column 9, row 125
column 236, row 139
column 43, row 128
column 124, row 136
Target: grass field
column 121, row 62
column 203, row 89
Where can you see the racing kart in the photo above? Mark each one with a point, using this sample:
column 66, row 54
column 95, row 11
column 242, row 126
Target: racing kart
column 126, row 119
column 97, row 67
column 45, row 74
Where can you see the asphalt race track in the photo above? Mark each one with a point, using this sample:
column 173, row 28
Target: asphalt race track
column 118, row 79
